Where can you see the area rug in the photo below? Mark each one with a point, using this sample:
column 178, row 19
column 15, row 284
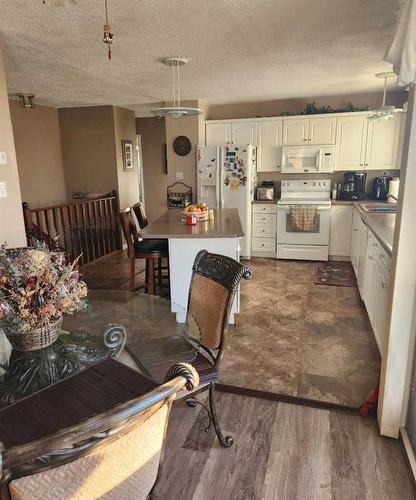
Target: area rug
column 335, row 274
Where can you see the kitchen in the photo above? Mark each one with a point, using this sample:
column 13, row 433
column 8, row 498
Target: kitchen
column 333, row 172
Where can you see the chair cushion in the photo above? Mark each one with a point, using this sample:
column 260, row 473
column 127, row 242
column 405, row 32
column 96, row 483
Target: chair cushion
column 205, row 370
column 124, row 469
column 151, row 246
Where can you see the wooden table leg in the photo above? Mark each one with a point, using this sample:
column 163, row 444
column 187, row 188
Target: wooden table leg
column 151, row 277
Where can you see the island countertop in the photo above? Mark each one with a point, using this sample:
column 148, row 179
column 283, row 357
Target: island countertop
column 226, row 224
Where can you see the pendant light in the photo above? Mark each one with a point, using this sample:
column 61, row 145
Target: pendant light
column 384, row 112
column 176, row 110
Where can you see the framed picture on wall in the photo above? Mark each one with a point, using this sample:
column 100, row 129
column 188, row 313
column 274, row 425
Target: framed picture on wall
column 128, row 155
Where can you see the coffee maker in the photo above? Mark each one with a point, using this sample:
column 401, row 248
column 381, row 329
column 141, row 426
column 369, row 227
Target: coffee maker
column 353, row 186
column 380, row 187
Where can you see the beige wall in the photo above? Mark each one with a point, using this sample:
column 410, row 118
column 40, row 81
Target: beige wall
column 11, row 216
column 275, row 108
column 39, row 157
column 88, row 149
column 127, row 182
column 190, row 127
column 155, row 179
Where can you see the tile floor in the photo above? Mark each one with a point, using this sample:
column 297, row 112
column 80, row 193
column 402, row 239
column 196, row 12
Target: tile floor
column 293, row 337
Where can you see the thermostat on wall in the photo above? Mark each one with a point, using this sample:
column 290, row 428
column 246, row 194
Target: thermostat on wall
column 3, row 158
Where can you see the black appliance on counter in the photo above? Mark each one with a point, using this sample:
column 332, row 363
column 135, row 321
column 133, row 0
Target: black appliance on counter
column 380, row 187
column 353, row 186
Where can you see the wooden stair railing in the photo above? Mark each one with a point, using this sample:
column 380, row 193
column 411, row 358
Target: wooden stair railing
column 89, row 228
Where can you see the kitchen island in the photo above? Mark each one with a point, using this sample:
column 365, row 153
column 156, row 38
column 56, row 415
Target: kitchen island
column 218, row 235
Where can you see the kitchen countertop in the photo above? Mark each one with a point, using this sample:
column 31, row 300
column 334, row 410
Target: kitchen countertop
column 382, row 225
column 226, row 224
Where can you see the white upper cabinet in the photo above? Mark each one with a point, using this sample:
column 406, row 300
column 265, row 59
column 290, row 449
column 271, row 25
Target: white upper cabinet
column 295, row 132
column 382, row 144
column 269, row 140
column 350, row 142
column 360, row 144
column 218, row 134
column 322, row 130
column 244, row 133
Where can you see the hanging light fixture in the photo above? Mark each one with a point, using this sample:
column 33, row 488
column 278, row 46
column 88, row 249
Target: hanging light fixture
column 108, row 35
column 384, row 112
column 176, row 110
column 26, row 100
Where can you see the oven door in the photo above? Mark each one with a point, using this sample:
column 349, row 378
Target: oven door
column 317, row 236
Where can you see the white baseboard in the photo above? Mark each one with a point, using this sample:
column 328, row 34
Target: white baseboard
column 409, row 450
column 339, row 258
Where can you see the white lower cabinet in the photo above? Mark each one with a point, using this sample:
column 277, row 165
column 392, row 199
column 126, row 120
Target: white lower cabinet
column 371, row 264
column 340, row 231
column 376, row 286
column 263, row 242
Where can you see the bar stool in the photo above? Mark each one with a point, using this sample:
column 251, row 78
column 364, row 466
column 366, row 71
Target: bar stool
column 150, row 250
column 140, row 214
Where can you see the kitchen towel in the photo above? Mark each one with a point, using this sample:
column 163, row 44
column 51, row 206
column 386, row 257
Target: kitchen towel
column 303, row 219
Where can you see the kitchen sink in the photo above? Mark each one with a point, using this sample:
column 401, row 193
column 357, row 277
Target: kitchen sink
column 377, row 208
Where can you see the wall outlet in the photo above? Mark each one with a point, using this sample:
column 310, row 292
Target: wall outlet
column 3, row 158
column 3, row 190
column 179, row 176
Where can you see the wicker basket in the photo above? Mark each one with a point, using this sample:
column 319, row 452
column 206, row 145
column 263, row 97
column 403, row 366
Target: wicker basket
column 38, row 338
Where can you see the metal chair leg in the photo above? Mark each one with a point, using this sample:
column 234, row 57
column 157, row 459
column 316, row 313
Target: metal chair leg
column 192, row 402
column 225, row 441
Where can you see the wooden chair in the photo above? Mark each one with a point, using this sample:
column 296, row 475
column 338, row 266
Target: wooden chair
column 214, row 283
column 150, row 250
column 141, row 217
column 118, row 454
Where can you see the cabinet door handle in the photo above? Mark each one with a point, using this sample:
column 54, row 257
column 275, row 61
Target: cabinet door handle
column 375, row 245
column 366, row 164
column 305, row 140
column 355, row 230
column 370, row 257
column 361, row 164
column 382, row 256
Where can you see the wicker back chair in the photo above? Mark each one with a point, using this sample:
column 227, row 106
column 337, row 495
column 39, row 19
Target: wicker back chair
column 113, row 455
column 214, row 283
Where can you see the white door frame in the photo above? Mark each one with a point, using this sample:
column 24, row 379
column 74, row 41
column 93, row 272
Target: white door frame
column 396, row 366
column 140, row 177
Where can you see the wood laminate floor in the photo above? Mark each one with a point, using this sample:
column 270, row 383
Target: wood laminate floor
column 292, row 337
column 280, row 452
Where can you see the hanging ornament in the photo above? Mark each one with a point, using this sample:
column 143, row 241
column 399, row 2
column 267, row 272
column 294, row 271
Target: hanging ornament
column 108, row 35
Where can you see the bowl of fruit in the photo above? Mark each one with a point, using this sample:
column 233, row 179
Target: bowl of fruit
column 200, row 210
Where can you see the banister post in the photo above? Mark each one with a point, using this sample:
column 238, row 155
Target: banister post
column 27, row 217
column 116, row 209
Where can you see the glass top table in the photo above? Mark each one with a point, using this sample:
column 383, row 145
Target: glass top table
column 138, row 330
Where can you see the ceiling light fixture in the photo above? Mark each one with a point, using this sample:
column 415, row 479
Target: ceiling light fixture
column 384, row 112
column 108, row 35
column 176, row 110
column 26, row 100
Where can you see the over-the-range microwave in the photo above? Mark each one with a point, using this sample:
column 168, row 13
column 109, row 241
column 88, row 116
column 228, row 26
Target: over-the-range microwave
column 307, row 159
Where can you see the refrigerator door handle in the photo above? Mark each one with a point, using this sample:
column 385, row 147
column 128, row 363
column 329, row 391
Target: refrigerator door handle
column 220, row 177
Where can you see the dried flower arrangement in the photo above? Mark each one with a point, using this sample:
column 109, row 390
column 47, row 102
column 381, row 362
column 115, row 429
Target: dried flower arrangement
column 37, row 287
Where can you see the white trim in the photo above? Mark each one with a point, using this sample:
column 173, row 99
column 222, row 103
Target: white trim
column 399, row 340
column 290, row 117
column 409, row 450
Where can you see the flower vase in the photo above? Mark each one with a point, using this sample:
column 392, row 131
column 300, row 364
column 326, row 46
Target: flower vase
column 37, row 338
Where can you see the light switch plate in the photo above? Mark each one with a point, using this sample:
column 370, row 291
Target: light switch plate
column 3, row 158
column 3, row 190
column 179, row 176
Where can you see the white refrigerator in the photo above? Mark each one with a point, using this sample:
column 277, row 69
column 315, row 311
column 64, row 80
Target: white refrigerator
column 226, row 176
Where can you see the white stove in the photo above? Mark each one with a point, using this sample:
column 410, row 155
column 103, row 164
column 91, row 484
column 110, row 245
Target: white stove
column 303, row 219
